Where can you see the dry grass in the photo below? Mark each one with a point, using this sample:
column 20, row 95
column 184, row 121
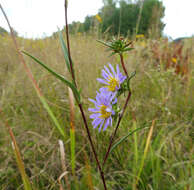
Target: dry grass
column 158, row 92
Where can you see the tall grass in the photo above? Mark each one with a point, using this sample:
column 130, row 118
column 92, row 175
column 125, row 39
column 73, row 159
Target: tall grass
column 157, row 93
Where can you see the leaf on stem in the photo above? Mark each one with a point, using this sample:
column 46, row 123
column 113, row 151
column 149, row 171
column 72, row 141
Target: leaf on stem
column 60, row 77
column 65, row 51
column 104, row 43
column 124, row 138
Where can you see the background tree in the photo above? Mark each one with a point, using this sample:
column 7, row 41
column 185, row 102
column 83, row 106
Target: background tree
column 121, row 18
column 3, row 31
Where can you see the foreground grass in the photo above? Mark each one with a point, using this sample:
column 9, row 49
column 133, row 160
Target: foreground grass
column 159, row 94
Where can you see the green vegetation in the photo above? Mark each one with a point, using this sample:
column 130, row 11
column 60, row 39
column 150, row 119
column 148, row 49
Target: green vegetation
column 125, row 18
column 162, row 97
column 3, row 31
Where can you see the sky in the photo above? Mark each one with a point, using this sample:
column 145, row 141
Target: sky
column 40, row 18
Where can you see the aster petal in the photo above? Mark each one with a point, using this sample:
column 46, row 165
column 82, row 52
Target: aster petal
column 98, row 99
column 95, row 115
column 97, row 122
column 103, row 90
column 111, row 121
column 106, row 124
column 104, row 74
column 91, row 100
column 93, row 109
column 102, row 81
column 109, row 73
column 101, row 125
column 112, row 69
column 122, row 78
column 114, row 101
column 107, row 101
column 118, row 71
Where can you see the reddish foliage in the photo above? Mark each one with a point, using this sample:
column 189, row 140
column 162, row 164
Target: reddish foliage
column 172, row 55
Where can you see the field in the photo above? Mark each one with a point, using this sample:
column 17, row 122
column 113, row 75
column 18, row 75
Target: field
column 162, row 97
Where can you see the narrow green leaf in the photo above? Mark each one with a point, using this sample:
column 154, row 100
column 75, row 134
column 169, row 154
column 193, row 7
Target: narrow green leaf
column 126, row 45
column 128, row 49
column 132, row 75
column 20, row 163
column 46, row 106
column 60, row 77
column 104, row 43
column 65, row 51
column 72, row 140
column 125, row 137
column 113, row 53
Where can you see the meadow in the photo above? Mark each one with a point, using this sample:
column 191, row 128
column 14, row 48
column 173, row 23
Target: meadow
column 162, row 99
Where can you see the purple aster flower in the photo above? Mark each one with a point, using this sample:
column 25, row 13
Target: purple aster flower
column 103, row 109
column 113, row 79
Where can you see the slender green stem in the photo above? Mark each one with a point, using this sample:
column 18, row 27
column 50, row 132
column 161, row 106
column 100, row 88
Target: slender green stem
column 145, row 151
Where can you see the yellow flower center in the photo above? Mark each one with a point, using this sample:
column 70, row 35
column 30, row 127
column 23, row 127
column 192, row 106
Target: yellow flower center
column 112, row 84
column 104, row 113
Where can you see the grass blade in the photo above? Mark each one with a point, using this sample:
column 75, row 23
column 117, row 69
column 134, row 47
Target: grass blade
column 135, row 146
column 125, row 137
column 88, row 172
column 20, row 164
column 46, row 106
column 145, row 150
column 72, row 129
column 72, row 139
column 60, row 77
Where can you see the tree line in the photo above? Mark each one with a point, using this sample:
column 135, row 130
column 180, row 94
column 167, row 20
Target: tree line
column 125, row 17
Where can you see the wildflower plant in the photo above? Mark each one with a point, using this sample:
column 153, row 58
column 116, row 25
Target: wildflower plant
column 105, row 112
column 106, row 99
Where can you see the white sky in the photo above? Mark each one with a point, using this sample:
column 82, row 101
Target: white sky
column 37, row 18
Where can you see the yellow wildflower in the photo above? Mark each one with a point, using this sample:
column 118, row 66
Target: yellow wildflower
column 174, row 60
column 98, row 18
column 139, row 36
